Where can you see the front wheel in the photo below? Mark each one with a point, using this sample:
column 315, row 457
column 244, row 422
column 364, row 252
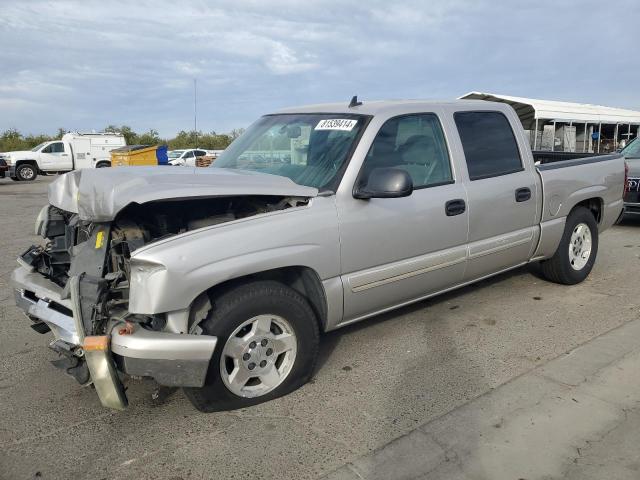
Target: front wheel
column 577, row 251
column 267, row 346
column 26, row 172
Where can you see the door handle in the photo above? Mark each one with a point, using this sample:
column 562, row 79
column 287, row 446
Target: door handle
column 455, row 207
column 523, row 194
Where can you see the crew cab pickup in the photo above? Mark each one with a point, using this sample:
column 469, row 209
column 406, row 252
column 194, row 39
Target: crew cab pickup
column 221, row 279
column 72, row 151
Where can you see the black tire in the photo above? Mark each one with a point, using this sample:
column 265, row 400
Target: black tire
column 237, row 305
column 26, row 172
column 558, row 268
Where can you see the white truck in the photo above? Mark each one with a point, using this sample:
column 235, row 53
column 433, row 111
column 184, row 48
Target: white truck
column 187, row 157
column 73, row 151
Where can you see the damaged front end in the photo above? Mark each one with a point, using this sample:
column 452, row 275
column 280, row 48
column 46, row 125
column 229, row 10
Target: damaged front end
column 77, row 286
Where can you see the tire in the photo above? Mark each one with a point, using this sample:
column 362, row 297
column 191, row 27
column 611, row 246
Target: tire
column 569, row 265
column 26, row 172
column 259, row 304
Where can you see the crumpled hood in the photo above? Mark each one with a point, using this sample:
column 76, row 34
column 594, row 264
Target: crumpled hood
column 99, row 194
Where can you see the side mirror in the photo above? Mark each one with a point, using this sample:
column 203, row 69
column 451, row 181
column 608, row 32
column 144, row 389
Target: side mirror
column 385, row 183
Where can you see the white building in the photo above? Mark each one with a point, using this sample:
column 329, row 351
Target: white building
column 570, row 127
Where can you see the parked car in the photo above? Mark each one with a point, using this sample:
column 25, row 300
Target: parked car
column 74, row 150
column 632, row 197
column 220, row 280
column 4, row 168
column 185, row 157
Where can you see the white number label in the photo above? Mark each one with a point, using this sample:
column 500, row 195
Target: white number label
column 336, row 124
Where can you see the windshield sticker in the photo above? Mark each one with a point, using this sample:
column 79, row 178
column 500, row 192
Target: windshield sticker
column 336, row 124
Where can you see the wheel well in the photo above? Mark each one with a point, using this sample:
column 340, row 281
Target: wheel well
column 22, row 162
column 594, row 205
column 30, row 162
column 304, row 280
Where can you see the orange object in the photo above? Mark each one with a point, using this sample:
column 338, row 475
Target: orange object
column 97, row 343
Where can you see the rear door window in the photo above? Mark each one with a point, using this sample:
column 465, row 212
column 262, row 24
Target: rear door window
column 489, row 144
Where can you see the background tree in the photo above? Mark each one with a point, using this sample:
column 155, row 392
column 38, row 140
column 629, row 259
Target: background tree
column 12, row 139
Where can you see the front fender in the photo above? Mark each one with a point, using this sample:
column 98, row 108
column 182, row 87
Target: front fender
column 169, row 276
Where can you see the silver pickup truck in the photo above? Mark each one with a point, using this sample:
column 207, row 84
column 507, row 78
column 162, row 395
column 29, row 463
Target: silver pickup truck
column 220, row 280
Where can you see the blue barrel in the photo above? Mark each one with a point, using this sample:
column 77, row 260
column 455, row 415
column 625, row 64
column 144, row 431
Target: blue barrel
column 161, row 155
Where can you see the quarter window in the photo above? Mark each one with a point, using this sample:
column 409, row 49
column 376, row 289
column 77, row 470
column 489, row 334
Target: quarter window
column 489, row 145
column 415, row 144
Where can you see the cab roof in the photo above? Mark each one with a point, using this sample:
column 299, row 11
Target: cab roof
column 390, row 107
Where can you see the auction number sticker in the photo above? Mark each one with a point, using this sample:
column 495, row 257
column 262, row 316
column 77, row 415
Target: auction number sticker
column 336, row 124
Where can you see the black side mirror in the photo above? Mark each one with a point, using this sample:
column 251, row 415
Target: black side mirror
column 385, row 183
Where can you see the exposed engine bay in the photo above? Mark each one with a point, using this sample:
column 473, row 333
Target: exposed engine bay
column 99, row 253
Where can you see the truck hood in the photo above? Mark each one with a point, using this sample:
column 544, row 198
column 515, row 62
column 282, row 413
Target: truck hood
column 98, row 195
column 20, row 155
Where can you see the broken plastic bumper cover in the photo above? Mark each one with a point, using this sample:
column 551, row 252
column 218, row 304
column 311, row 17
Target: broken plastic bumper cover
column 172, row 359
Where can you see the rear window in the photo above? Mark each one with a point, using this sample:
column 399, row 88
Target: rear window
column 489, row 145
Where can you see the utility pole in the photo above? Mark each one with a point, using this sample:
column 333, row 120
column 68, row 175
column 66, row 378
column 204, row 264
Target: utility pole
column 195, row 111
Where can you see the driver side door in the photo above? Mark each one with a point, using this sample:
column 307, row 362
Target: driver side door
column 55, row 157
column 398, row 250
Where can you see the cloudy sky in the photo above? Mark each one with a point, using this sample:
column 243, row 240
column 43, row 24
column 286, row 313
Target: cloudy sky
column 83, row 65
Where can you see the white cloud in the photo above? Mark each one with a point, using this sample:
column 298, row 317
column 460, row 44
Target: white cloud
column 133, row 62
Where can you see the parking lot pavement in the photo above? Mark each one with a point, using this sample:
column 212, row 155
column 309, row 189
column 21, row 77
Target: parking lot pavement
column 376, row 381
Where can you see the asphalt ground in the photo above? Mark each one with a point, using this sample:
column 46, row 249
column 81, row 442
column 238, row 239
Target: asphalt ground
column 376, row 381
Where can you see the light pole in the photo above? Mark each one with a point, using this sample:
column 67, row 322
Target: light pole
column 195, row 110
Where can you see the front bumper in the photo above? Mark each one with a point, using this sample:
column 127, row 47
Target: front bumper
column 631, row 209
column 171, row 359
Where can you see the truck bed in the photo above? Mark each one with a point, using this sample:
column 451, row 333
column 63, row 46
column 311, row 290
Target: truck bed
column 545, row 156
column 566, row 183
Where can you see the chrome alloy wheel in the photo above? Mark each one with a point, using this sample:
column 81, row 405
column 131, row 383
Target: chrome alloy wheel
column 258, row 356
column 28, row 172
column 580, row 246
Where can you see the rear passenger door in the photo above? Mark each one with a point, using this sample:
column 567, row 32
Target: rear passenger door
column 395, row 250
column 501, row 190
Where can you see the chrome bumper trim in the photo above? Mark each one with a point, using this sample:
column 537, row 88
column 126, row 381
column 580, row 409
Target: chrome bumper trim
column 172, row 359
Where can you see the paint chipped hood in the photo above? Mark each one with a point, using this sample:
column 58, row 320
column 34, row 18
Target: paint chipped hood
column 98, row 195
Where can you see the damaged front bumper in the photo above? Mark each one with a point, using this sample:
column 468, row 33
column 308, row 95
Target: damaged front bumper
column 171, row 359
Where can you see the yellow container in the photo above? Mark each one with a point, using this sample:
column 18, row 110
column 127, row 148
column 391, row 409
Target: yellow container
column 134, row 156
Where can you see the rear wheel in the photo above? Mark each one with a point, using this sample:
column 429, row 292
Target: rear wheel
column 577, row 251
column 26, row 172
column 267, row 346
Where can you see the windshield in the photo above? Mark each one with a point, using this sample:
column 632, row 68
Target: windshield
column 35, row 149
column 175, row 153
column 310, row 149
column 632, row 150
